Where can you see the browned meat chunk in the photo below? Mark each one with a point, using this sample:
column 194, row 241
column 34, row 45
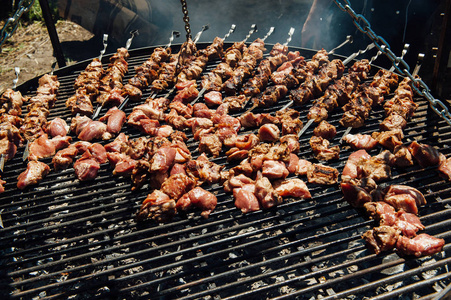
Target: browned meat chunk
column 321, row 174
column 321, row 149
column 402, row 156
column 325, row 130
column 389, row 139
column 424, row 154
column 445, row 167
column 157, row 206
column 177, row 185
column 382, row 238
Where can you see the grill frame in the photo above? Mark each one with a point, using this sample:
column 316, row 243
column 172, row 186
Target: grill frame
column 81, row 241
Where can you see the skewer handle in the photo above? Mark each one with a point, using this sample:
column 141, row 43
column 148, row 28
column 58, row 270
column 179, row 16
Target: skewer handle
column 377, row 54
column 25, row 152
column 253, row 29
column 129, row 41
column 53, row 67
column 354, row 55
column 97, row 112
column 197, row 37
column 271, row 30
column 231, row 30
column 290, row 36
column 418, row 65
column 349, row 39
column 404, row 52
column 16, row 80
column 105, row 44
column 175, row 34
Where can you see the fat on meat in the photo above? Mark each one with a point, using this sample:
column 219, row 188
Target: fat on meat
column 86, row 167
column 266, row 195
column 157, row 206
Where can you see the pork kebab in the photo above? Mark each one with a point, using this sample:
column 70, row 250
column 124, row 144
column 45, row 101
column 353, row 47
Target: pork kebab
column 87, row 85
column 110, row 90
column 11, row 109
column 358, row 109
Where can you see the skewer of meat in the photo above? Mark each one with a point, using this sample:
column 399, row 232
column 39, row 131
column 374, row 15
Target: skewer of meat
column 357, row 111
column 319, row 110
column 168, row 70
column 147, row 72
column 213, row 81
column 251, row 56
column 111, row 82
column 35, row 120
column 87, row 85
column 11, row 108
column 304, row 74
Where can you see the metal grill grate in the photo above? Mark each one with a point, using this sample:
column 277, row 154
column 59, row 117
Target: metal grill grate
column 69, row 239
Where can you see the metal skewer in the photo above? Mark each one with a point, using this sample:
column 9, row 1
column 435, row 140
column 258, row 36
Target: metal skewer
column 349, row 39
column 15, row 81
column 418, row 65
column 404, row 52
column 205, row 27
column 127, row 46
column 105, row 44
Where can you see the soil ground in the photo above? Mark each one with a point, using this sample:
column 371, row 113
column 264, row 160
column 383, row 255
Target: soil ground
column 30, row 49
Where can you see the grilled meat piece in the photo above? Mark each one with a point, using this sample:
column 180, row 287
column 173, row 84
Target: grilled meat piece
column 34, row 174
column 321, row 149
column 266, row 194
column 199, row 198
column 177, row 185
column 358, row 192
column 40, row 148
column 360, row 141
column 424, row 154
column 389, row 139
column 402, row 156
column 157, row 206
column 57, row 127
column 325, row 130
column 294, row 187
column 445, row 167
column 115, row 119
column 245, row 198
column 421, row 245
column 86, row 167
column 321, row 174
column 382, row 238
column 393, row 121
column 398, row 189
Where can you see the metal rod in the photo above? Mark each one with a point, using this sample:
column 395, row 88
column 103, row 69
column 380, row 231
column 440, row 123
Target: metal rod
column 354, row 55
column 52, row 33
column 307, row 125
column 197, row 37
column 403, row 53
column 418, row 65
column 349, row 39
column 105, row 44
column 253, row 29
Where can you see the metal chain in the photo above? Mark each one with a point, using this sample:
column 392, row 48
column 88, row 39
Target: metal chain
column 186, row 19
column 12, row 23
column 398, row 63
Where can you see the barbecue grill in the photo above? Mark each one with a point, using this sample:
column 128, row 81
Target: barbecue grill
column 79, row 240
